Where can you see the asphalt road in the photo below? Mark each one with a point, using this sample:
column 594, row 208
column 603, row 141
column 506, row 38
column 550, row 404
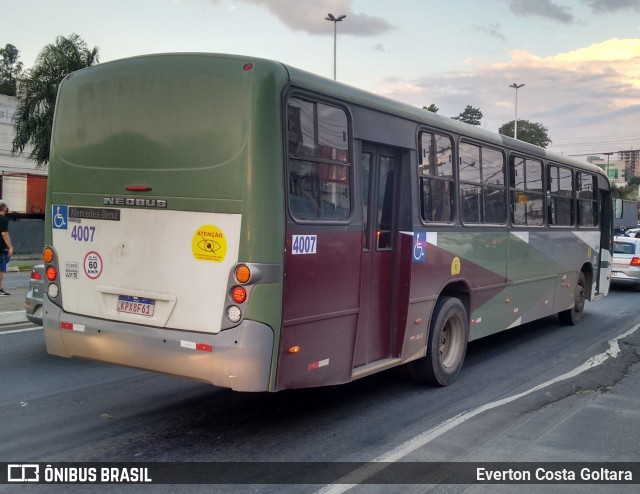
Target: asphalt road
column 523, row 395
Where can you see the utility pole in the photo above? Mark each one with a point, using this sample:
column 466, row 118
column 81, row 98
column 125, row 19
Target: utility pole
column 515, row 122
column 335, row 20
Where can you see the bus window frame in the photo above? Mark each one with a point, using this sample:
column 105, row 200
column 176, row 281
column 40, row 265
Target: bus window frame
column 504, row 151
column 454, row 169
column 595, row 200
column 311, row 97
column 548, row 195
column 543, row 162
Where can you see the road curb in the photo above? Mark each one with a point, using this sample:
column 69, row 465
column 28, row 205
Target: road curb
column 13, row 317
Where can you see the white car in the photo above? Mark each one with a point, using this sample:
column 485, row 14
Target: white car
column 626, row 261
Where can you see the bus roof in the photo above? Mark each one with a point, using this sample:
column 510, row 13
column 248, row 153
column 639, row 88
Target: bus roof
column 334, row 89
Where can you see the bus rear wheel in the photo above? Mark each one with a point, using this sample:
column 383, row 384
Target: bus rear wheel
column 572, row 316
column 447, row 344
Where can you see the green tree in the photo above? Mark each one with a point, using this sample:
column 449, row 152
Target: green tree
column 531, row 132
column 432, row 108
column 626, row 193
column 38, row 91
column 634, row 182
column 470, row 115
column 10, row 69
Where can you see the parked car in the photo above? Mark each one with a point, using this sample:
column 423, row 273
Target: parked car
column 626, row 261
column 33, row 302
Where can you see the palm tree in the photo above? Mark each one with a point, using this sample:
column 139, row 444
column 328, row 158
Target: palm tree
column 38, row 91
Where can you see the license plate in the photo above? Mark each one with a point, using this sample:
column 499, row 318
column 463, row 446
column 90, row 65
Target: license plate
column 136, row 305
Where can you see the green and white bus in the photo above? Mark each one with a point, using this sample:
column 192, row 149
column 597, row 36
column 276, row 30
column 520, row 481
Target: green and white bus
column 247, row 224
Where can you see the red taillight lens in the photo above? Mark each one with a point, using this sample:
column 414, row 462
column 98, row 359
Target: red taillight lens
column 239, row 295
column 35, row 275
column 635, row 261
column 52, row 274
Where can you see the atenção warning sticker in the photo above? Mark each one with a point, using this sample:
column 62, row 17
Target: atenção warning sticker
column 209, row 244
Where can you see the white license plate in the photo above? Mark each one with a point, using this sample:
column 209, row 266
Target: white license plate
column 136, row 305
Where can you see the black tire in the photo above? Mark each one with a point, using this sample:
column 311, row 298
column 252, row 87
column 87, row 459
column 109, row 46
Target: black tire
column 446, row 346
column 572, row 316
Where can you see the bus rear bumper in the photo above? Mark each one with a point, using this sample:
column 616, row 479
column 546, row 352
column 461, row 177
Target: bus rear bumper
column 237, row 358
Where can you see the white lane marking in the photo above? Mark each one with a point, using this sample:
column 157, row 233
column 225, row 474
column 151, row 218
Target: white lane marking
column 20, row 330
column 378, row 464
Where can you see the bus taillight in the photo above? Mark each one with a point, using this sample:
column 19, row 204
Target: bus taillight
column 47, row 254
column 243, row 273
column 52, row 274
column 234, row 314
column 239, row 295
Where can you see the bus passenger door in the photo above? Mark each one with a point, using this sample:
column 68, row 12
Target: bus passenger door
column 379, row 199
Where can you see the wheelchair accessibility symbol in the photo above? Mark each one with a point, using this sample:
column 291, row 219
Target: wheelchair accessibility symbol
column 419, row 247
column 59, row 216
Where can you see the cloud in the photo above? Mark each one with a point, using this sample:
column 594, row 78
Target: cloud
column 492, row 30
column 586, row 92
column 607, row 51
column 309, row 16
column 604, row 6
column 542, row 8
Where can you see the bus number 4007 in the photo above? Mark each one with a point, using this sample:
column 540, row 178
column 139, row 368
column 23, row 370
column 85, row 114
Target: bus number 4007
column 83, row 233
column 303, row 244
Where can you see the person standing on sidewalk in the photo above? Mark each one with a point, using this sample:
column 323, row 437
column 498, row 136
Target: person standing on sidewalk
column 6, row 248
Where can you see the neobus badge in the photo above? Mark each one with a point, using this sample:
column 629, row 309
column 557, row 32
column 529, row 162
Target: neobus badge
column 138, row 202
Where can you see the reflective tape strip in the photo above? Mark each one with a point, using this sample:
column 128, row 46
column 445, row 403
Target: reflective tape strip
column 317, row 365
column 192, row 345
column 72, row 327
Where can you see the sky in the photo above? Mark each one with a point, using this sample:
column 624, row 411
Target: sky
column 579, row 60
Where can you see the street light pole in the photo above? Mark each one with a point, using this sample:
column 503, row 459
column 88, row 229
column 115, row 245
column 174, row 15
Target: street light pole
column 515, row 122
column 335, row 20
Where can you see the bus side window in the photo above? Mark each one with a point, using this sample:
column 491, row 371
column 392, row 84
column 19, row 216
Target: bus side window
column 526, row 192
column 436, row 178
column 586, row 189
column 560, row 196
column 482, row 186
column 319, row 161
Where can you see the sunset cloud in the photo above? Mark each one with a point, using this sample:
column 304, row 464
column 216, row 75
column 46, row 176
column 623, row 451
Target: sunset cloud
column 583, row 88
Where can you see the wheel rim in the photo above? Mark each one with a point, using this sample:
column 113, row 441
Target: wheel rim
column 451, row 346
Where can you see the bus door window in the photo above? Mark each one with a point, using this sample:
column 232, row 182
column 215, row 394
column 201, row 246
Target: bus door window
column 366, row 173
column 384, row 212
column 385, row 203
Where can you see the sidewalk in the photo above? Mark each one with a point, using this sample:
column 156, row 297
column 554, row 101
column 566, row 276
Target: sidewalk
column 12, row 308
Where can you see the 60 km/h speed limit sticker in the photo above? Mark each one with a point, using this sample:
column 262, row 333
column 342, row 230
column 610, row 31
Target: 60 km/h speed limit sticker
column 93, row 265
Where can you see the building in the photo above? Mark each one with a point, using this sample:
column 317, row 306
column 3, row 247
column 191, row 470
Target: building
column 616, row 169
column 632, row 162
column 23, row 184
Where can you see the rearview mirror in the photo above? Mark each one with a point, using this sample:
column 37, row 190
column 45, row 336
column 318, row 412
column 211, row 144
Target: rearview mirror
column 618, row 208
